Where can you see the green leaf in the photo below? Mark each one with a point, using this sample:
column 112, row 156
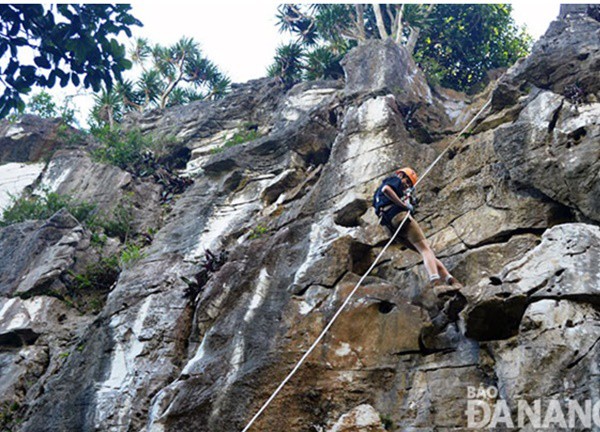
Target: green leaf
column 14, row 29
column 11, row 68
column 64, row 79
column 20, row 104
column 42, row 62
column 51, row 80
column 125, row 64
column 65, row 11
column 19, row 41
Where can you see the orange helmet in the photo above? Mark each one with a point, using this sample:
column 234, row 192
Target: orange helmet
column 410, row 173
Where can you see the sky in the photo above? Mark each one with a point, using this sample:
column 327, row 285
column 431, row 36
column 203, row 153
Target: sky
column 241, row 37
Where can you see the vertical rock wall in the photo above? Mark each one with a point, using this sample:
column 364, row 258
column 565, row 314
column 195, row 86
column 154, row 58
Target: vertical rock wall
column 511, row 209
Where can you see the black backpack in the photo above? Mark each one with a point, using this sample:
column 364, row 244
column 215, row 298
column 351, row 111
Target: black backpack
column 379, row 198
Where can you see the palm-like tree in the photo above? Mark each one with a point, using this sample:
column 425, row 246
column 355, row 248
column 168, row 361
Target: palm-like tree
column 288, row 64
column 108, row 107
column 169, row 76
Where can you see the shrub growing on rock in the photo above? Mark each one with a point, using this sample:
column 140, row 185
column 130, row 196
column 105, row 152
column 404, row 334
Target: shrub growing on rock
column 33, row 207
column 125, row 149
column 87, row 290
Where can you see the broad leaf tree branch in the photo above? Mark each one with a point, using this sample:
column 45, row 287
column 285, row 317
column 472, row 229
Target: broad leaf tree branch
column 69, row 43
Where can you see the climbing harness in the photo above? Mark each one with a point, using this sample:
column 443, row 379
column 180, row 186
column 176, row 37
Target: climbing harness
column 341, row 308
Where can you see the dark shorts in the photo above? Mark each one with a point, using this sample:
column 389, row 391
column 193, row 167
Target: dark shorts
column 410, row 232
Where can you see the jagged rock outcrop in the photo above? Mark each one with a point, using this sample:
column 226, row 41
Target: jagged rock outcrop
column 30, row 138
column 36, row 253
column 565, row 61
column 511, row 209
column 557, row 269
column 384, row 68
column 363, row 418
column 203, row 128
column 36, row 336
column 378, row 68
column 551, row 147
column 75, row 174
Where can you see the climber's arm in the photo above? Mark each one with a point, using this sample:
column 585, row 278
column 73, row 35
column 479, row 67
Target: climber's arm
column 391, row 194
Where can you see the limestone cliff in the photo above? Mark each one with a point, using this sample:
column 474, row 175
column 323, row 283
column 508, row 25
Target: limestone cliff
column 512, row 209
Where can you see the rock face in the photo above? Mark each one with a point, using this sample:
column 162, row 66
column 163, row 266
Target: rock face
column 182, row 344
column 14, row 178
column 378, row 68
column 31, row 138
column 550, row 148
column 36, row 253
column 557, row 269
column 383, row 68
column 363, row 418
column 73, row 173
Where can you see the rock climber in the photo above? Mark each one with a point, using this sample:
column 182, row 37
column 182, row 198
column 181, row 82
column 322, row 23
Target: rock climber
column 392, row 200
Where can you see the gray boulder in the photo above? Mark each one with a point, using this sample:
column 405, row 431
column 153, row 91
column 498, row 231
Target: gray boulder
column 381, row 67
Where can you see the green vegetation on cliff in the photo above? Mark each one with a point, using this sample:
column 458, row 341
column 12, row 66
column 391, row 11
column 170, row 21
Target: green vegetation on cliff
column 33, row 207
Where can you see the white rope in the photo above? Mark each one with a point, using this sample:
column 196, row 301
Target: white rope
column 452, row 143
column 341, row 308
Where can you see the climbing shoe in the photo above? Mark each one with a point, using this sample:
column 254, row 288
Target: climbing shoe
column 451, row 280
column 436, row 282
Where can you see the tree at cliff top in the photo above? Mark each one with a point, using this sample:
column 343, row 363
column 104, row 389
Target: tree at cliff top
column 455, row 44
column 67, row 43
column 168, row 76
column 43, row 105
column 466, row 41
